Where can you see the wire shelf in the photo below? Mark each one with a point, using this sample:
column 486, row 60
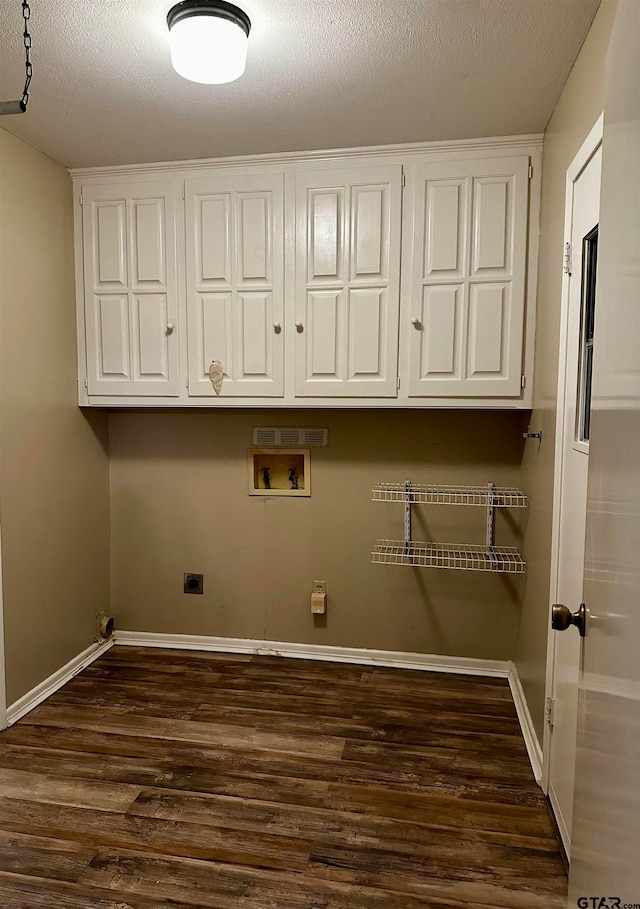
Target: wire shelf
column 417, row 494
column 461, row 556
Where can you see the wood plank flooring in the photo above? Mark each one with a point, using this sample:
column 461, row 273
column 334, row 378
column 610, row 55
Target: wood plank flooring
column 164, row 778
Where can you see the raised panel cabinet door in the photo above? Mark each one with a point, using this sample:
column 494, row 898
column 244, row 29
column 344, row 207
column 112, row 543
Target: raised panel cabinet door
column 235, row 283
column 348, row 224
column 463, row 305
column 130, row 288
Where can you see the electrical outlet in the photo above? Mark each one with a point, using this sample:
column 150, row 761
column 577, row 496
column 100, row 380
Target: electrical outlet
column 194, row 583
column 319, row 598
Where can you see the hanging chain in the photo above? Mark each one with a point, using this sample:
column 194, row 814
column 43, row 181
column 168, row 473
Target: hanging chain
column 26, row 15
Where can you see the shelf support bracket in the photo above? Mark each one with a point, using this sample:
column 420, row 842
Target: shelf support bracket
column 407, row 517
column 491, row 512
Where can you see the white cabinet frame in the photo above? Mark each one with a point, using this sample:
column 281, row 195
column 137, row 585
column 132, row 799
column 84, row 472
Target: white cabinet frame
column 290, row 165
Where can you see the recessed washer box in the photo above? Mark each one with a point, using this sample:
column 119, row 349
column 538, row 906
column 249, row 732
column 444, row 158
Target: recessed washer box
column 279, row 472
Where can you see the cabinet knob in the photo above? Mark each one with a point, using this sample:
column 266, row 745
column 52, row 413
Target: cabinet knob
column 299, row 326
column 416, row 322
column 277, row 327
column 170, row 328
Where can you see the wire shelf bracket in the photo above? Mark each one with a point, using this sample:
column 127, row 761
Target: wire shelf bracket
column 459, row 556
column 462, row 557
column 420, row 494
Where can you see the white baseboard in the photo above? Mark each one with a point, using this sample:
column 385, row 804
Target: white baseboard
column 46, row 688
column 526, row 724
column 397, row 659
column 560, row 821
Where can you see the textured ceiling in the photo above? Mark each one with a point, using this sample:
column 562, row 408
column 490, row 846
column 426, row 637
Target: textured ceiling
column 320, row 74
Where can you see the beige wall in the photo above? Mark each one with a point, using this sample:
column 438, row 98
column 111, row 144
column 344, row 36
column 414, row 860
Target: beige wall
column 54, row 500
column 578, row 108
column 180, row 503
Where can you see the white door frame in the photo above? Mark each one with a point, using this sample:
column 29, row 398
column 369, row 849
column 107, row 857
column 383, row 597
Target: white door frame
column 3, row 687
column 587, row 150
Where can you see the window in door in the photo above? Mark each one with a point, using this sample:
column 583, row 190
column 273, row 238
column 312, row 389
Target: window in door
column 587, row 320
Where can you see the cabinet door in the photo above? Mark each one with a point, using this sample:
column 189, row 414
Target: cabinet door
column 130, row 288
column 464, row 287
column 347, row 282
column 235, row 298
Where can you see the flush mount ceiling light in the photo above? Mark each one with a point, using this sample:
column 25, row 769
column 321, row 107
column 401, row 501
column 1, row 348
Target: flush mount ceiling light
column 208, row 40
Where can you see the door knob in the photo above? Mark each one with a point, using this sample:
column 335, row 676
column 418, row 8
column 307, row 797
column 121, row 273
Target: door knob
column 277, row 327
column 416, row 323
column 299, row 326
column 562, row 617
column 170, row 327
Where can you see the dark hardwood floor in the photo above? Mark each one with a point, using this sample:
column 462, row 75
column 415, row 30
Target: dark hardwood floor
column 169, row 778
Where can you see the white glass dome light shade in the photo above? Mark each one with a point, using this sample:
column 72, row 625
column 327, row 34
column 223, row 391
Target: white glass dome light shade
column 208, row 41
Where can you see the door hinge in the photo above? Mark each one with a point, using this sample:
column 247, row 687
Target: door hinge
column 567, row 258
column 404, row 180
column 548, row 711
column 398, row 382
column 530, row 171
column 523, row 381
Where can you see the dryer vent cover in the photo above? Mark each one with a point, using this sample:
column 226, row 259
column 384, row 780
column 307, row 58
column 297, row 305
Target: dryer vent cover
column 290, row 436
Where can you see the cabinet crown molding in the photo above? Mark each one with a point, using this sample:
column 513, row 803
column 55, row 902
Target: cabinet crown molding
column 491, row 144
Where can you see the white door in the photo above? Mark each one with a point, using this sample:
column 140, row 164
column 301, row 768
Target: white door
column 463, row 302
column 347, row 282
column 605, row 861
column 130, row 288
column 235, row 283
column 572, row 441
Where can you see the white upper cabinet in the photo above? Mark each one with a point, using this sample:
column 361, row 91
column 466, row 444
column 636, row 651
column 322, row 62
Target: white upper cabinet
column 402, row 277
column 235, row 283
column 465, row 258
column 130, row 288
column 347, row 281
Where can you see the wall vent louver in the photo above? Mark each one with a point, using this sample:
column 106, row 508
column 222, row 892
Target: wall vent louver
column 290, row 436
column 265, row 437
